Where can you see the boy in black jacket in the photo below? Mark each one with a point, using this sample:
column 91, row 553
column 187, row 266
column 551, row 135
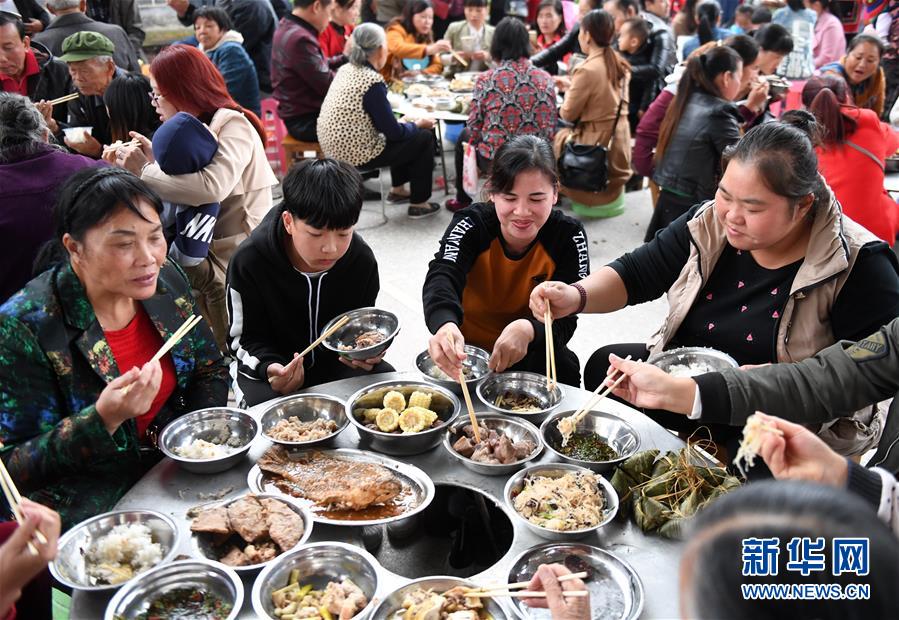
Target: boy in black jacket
column 300, row 268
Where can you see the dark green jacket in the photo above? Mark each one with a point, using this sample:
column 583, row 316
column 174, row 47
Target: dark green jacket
column 55, row 361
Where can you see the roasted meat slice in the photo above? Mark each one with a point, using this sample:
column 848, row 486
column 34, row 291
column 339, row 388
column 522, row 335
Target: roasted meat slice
column 235, row 557
column 247, row 517
column 285, row 527
column 213, row 521
column 332, row 482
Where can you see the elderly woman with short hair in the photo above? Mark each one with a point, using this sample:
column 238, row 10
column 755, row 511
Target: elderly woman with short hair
column 357, row 125
column 31, row 172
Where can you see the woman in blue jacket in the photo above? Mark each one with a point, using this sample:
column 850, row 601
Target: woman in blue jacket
column 224, row 47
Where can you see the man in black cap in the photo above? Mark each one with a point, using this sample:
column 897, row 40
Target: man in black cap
column 29, row 69
column 89, row 56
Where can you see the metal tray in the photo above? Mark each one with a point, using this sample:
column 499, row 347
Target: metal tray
column 421, row 484
column 616, row 592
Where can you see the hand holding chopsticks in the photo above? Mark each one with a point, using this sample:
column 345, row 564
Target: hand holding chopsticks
column 467, row 396
column 458, row 57
column 550, row 349
column 568, row 424
column 551, row 583
column 14, row 499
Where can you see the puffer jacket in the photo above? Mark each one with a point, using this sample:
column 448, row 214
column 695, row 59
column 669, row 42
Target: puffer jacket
column 691, row 163
column 236, row 66
column 651, row 64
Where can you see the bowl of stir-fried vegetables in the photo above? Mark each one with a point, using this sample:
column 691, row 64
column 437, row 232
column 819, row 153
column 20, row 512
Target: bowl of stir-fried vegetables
column 195, row 589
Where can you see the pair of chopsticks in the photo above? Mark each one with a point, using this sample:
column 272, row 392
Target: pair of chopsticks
column 506, row 590
column 120, row 144
column 550, row 349
column 467, row 396
column 461, row 60
column 64, row 98
column 340, row 323
column 14, row 499
column 567, row 425
column 182, row 331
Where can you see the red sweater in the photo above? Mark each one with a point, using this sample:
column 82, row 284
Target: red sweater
column 857, row 180
column 333, row 39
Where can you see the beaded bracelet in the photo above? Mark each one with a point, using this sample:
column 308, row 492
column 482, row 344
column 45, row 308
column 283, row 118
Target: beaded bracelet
column 583, row 293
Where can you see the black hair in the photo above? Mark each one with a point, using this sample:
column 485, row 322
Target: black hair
column 128, row 100
column 702, row 69
column 555, row 5
column 796, row 5
column 745, row 9
column 711, row 565
column 600, row 25
column 761, row 15
column 8, row 18
column 774, row 38
column 862, row 38
column 324, row 193
column 511, row 40
column 413, row 8
column 826, row 96
column 474, row 3
column 708, row 13
column 830, row 5
column 214, row 13
column 345, row 4
column 638, row 27
column 518, row 155
column 745, row 46
column 624, row 5
column 784, row 154
column 86, row 200
column 688, row 9
column 305, row 4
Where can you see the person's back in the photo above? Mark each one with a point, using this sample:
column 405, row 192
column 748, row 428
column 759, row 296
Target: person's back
column 799, row 64
column 236, row 66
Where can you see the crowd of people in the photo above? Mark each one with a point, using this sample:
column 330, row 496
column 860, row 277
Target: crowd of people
column 146, row 196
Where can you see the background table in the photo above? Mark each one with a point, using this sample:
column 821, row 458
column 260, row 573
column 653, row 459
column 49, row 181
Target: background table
column 168, row 489
column 407, row 109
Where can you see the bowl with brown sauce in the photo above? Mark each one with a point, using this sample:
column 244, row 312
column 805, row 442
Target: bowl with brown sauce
column 600, row 442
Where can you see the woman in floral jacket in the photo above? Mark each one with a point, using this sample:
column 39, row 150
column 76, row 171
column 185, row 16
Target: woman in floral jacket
column 80, row 403
column 515, row 98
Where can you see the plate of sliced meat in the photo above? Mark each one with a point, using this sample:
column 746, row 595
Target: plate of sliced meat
column 343, row 486
column 249, row 532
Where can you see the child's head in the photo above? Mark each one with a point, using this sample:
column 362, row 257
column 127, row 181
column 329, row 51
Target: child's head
column 475, row 13
column 550, row 20
column 523, row 185
column 322, row 202
column 633, row 34
column 761, row 15
column 183, row 145
column 743, row 17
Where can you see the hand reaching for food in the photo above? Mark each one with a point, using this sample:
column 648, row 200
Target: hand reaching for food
column 546, row 579
column 799, row 454
column 129, row 395
column 447, row 349
column 512, row 345
column 647, row 386
column 563, row 298
column 287, row 379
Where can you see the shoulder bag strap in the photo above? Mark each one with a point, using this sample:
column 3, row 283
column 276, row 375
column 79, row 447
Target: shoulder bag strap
column 617, row 117
column 866, row 152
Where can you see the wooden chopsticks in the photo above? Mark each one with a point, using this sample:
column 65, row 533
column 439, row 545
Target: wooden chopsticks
column 340, row 323
column 182, row 331
column 461, row 60
column 567, row 424
column 64, row 98
column 505, row 590
column 14, row 499
column 550, row 349
column 467, row 397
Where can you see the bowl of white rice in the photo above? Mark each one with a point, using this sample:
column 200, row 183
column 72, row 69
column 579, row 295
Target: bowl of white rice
column 692, row 361
column 107, row 551
column 209, row 441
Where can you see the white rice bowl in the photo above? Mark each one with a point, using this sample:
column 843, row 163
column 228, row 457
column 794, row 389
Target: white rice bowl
column 128, row 549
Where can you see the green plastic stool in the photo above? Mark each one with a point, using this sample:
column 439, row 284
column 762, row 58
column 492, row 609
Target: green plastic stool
column 61, row 604
column 614, row 208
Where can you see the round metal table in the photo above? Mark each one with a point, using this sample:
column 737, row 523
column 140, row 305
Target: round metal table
column 169, row 489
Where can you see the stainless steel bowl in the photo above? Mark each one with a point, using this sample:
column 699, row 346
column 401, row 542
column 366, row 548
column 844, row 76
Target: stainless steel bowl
column 70, row 568
column 361, row 321
column 318, row 564
column 394, row 601
column 620, row 435
column 615, row 588
column 529, row 383
column 712, row 358
column 203, row 547
column 201, row 575
column 443, row 402
column 557, row 470
column 308, row 408
column 223, row 425
column 476, row 361
column 517, row 430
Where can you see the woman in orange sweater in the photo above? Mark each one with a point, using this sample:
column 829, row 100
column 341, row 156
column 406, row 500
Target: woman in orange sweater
column 852, row 155
column 410, row 38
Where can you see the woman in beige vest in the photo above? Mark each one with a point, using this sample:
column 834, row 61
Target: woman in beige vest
column 357, row 125
column 768, row 271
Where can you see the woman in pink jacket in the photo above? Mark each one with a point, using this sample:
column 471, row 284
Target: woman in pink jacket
column 830, row 40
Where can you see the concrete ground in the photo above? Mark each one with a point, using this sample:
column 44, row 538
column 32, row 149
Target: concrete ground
column 404, row 247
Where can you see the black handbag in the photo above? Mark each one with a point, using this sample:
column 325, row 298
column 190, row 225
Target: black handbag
column 585, row 167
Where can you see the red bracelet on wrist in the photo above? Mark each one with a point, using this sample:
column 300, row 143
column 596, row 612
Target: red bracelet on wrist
column 583, row 293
